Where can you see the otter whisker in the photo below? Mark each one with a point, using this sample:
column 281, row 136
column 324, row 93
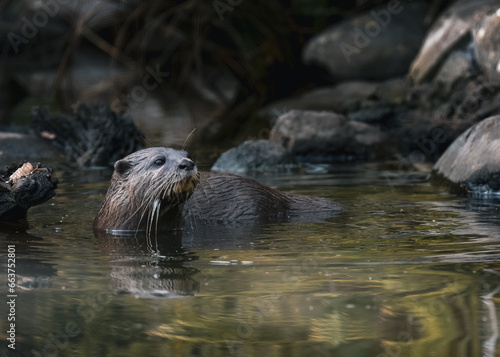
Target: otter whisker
column 151, row 192
column 150, row 207
column 155, row 209
column 148, row 241
column 187, row 138
column 145, row 205
column 151, row 213
column 135, row 212
column 155, row 200
column 167, row 192
column 147, row 224
column 158, row 203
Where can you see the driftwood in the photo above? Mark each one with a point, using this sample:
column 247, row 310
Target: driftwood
column 23, row 186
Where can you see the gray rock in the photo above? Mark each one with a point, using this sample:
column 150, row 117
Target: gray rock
column 450, row 32
column 373, row 112
column 365, row 135
column 379, row 44
column 472, row 161
column 389, row 98
column 255, row 156
column 457, row 65
column 325, row 136
column 487, row 46
column 393, row 91
column 334, row 98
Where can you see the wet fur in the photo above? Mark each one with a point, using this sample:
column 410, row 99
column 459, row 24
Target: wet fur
column 226, row 198
column 144, row 197
column 141, row 198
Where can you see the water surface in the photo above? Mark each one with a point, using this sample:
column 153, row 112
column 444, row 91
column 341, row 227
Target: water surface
column 404, row 269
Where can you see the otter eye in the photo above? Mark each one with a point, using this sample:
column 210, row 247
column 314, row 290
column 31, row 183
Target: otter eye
column 159, row 162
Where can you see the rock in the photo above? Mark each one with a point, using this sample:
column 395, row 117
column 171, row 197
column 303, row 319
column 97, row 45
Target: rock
column 359, row 100
column 371, row 112
column 452, row 31
column 255, row 156
column 325, row 136
column 14, row 146
column 335, row 98
column 458, row 65
column 487, row 46
column 471, row 163
column 393, row 91
column 377, row 45
column 389, row 99
column 364, row 135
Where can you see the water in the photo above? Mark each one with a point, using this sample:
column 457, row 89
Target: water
column 405, row 269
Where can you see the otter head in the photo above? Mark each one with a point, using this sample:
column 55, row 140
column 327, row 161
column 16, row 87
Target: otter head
column 148, row 191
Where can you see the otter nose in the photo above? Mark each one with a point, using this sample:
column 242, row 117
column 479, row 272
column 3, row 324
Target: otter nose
column 186, row 164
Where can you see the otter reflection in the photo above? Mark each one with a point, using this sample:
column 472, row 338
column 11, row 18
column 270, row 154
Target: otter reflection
column 148, row 267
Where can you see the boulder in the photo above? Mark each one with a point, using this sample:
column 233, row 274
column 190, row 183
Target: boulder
column 325, row 136
column 359, row 100
column 393, row 91
column 255, row 156
column 379, row 44
column 458, row 65
column 451, row 32
column 487, row 46
column 336, row 98
column 371, row 112
column 472, row 162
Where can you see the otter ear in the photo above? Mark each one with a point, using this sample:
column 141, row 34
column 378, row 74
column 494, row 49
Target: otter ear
column 122, row 166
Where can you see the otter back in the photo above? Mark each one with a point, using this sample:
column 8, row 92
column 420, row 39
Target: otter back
column 225, row 198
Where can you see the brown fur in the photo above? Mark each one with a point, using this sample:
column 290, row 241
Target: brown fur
column 218, row 197
column 144, row 195
column 225, row 198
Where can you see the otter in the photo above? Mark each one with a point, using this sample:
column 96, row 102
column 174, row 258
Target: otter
column 148, row 189
column 161, row 188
